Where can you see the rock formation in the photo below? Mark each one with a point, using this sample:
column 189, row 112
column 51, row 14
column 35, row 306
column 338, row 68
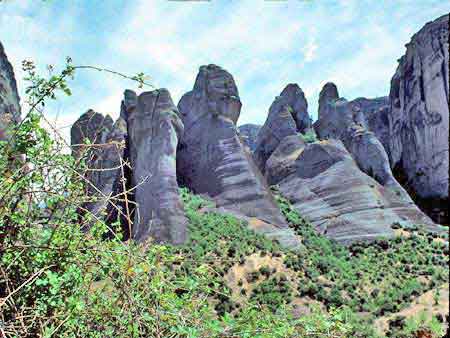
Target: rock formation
column 9, row 98
column 91, row 127
column 248, row 134
column 288, row 115
column 154, row 129
column 212, row 160
column 348, row 121
column 138, row 152
column 326, row 186
column 344, row 184
column 376, row 116
column 281, row 163
column 104, row 157
column 419, row 116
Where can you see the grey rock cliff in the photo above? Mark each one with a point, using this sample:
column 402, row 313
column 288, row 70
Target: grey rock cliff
column 109, row 164
column 352, row 123
column 282, row 161
column 375, row 114
column 419, row 117
column 92, row 127
column 327, row 187
column 288, row 115
column 212, row 160
column 103, row 157
column 248, row 134
column 9, row 98
column 154, row 129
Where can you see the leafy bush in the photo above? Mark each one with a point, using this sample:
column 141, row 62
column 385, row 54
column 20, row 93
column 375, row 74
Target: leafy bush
column 309, row 137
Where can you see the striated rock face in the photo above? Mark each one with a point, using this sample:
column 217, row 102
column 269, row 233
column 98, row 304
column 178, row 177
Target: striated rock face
column 154, row 129
column 328, row 189
column 139, row 152
column 282, row 161
column 419, row 117
column 212, row 160
column 248, row 134
column 9, row 98
column 288, row 115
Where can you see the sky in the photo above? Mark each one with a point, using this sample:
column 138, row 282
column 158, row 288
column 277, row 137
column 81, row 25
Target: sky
column 264, row 44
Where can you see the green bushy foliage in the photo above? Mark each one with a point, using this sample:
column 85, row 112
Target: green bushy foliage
column 379, row 278
column 309, row 137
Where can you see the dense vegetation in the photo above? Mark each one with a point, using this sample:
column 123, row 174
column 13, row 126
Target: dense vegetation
column 59, row 281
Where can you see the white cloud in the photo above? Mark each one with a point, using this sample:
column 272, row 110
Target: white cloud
column 310, row 50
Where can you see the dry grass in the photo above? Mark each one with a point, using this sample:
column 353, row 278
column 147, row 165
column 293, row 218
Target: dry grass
column 423, row 304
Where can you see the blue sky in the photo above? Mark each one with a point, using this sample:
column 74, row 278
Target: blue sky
column 263, row 44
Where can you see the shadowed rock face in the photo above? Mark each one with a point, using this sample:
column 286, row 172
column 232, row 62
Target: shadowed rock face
column 103, row 160
column 212, row 160
column 369, row 154
column 90, row 126
column 248, row 134
column 288, row 115
column 343, row 203
column 107, row 175
column 419, row 118
column 137, row 151
column 376, row 117
column 9, row 98
column 282, row 161
column 154, row 129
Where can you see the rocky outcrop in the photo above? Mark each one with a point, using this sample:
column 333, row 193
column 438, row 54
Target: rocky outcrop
column 131, row 173
column 90, row 129
column 107, row 175
column 419, row 117
column 375, row 116
column 282, row 161
column 248, row 134
column 101, row 144
column 342, row 202
column 350, row 122
column 154, row 129
column 369, row 154
column 288, row 115
column 212, row 160
column 9, row 98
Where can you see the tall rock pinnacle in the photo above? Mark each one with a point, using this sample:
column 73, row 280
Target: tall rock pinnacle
column 212, row 160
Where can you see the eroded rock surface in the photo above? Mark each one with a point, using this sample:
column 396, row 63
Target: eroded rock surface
column 282, row 161
column 92, row 127
column 351, row 122
column 419, row 118
column 109, row 168
column 375, row 116
column 212, row 160
column 154, row 129
column 104, row 155
column 342, row 202
column 249, row 133
column 9, row 98
column 288, row 115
